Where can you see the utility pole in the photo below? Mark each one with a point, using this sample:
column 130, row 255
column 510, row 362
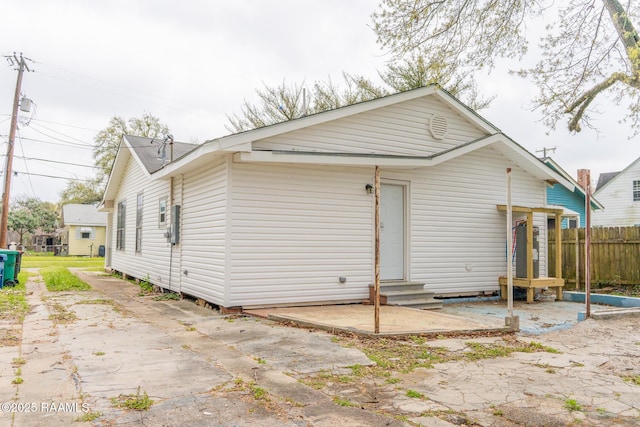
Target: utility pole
column 21, row 65
column 544, row 151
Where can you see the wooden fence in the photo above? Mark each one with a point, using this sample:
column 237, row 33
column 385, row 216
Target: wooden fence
column 615, row 255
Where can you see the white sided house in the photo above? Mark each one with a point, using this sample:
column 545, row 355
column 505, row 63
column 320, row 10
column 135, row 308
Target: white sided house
column 285, row 215
column 619, row 192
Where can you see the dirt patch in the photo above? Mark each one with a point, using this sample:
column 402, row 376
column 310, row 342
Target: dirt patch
column 10, row 336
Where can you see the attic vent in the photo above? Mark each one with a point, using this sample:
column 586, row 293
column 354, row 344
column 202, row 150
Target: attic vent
column 438, row 126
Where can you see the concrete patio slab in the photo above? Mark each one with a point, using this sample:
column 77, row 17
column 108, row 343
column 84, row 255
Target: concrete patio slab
column 394, row 320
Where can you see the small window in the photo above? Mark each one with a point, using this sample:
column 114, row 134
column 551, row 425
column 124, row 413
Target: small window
column 84, row 233
column 162, row 212
column 636, row 191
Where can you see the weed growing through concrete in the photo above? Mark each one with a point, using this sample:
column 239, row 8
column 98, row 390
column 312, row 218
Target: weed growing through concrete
column 572, row 405
column 342, row 401
column 17, row 361
column 99, row 353
column 97, row 301
column 62, row 315
column 632, row 379
column 88, row 417
column 415, row 394
column 168, row 296
column 137, row 402
column 17, row 380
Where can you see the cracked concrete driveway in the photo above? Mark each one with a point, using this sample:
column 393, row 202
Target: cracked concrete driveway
column 81, row 354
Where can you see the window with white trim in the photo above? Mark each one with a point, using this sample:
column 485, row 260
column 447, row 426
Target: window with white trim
column 139, row 223
column 636, row 190
column 120, row 224
column 162, row 212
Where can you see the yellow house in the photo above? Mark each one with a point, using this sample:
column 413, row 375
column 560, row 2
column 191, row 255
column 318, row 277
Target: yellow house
column 84, row 230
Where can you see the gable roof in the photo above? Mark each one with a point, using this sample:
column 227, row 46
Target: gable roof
column 595, row 204
column 76, row 214
column 148, row 153
column 155, row 153
column 604, row 178
column 612, row 176
column 241, row 144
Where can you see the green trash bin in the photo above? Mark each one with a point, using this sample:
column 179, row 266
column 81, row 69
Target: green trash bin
column 10, row 276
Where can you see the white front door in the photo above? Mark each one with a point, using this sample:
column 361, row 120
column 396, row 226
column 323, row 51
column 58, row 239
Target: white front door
column 392, row 232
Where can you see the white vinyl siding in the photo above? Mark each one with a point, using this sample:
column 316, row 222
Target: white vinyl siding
column 457, row 235
column 296, row 230
column 400, row 129
column 155, row 263
column 203, row 236
column 617, row 197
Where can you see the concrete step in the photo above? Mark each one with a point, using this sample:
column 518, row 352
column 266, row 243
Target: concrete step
column 423, row 304
column 406, row 294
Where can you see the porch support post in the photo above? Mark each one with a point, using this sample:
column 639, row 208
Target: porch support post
column 558, row 244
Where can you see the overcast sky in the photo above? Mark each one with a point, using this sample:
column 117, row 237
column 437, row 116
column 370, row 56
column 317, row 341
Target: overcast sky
column 191, row 63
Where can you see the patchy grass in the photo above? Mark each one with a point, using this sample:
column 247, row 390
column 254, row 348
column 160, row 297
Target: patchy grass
column 60, row 279
column 404, row 355
column 632, row 379
column 13, row 300
column 97, row 301
column 36, row 260
column 62, row 315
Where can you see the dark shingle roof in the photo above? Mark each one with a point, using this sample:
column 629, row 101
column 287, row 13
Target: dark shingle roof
column 149, row 151
column 604, row 178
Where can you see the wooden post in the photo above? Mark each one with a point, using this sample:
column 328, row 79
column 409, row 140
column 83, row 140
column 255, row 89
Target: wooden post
column 559, row 244
column 587, row 252
column 509, row 249
column 578, row 256
column 376, row 283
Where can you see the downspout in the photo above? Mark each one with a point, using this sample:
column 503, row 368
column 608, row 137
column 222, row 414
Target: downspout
column 170, row 138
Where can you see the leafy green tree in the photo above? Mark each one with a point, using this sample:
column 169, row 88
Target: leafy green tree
column 30, row 214
column 82, row 192
column 592, row 49
column 106, row 146
column 108, row 139
column 22, row 222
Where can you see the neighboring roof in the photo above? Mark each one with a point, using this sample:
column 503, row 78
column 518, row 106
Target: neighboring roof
column 604, row 178
column 612, row 176
column 595, row 204
column 76, row 214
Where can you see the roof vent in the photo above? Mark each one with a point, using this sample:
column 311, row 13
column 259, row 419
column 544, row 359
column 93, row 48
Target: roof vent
column 438, row 126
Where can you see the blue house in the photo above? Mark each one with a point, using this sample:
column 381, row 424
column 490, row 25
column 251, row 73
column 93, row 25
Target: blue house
column 570, row 200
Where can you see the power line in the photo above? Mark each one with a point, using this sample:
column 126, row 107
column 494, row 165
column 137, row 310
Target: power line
column 82, row 143
column 68, row 144
column 18, row 173
column 163, row 101
column 55, row 161
column 25, row 163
